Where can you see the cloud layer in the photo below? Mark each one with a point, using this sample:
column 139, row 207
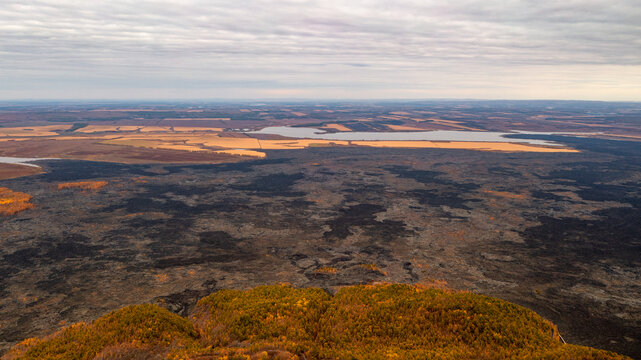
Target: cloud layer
column 320, row 49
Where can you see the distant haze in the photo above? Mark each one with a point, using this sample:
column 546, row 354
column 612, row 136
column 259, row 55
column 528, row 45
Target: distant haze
column 489, row 49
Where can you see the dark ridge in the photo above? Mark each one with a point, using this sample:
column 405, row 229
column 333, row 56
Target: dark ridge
column 422, row 176
column 442, row 198
column 429, row 177
column 75, row 127
column 53, row 249
column 71, row 170
column 226, row 257
column 356, row 215
column 547, row 195
column 410, row 270
column 218, row 240
column 614, row 237
column 244, row 166
column 182, row 303
column 504, row 171
column 279, row 184
column 613, row 147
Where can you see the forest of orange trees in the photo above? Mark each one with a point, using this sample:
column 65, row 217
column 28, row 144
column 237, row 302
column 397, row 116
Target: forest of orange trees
column 386, row 321
column 12, row 202
column 83, row 185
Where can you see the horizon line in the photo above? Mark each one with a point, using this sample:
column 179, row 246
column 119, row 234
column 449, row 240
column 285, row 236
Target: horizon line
column 276, row 100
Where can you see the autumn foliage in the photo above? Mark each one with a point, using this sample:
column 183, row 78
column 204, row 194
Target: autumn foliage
column 390, row 321
column 373, row 267
column 326, row 270
column 12, row 202
column 142, row 328
column 83, row 185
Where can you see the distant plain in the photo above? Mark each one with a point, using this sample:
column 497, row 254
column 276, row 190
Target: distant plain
column 192, row 199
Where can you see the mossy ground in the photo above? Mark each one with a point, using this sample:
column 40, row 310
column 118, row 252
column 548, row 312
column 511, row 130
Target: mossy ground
column 390, row 321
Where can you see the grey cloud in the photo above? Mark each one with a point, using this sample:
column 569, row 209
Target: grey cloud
column 314, row 43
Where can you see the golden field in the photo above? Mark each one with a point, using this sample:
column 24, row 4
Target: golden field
column 13, row 202
column 83, row 185
column 403, row 128
column 338, row 127
column 466, row 145
column 48, row 130
column 243, row 152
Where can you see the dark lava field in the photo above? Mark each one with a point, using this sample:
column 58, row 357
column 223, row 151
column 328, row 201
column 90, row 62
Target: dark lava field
column 559, row 233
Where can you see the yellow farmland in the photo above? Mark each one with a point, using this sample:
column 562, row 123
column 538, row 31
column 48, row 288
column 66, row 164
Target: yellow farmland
column 469, row 145
column 403, row 128
column 338, row 127
column 195, row 129
column 243, row 152
column 106, row 128
column 153, row 144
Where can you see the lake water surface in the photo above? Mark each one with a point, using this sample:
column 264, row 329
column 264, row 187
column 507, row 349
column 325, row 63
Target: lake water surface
column 21, row 161
column 436, row 135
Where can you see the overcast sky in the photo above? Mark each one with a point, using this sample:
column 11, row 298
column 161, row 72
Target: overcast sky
column 327, row 49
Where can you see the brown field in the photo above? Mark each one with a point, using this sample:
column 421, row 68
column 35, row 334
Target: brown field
column 578, row 123
column 155, row 129
column 144, row 129
column 403, row 128
column 79, row 148
column 13, row 139
column 454, row 124
column 338, row 127
column 194, row 129
column 83, row 185
column 12, row 202
column 89, row 137
column 107, row 128
column 196, row 119
column 623, row 136
column 11, row 171
column 299, row 144
column 153, row 144
column 392, row 117
column 48, row 130
column 469, row 145
column 243, row 152
column 141, row 110
column 224, row 142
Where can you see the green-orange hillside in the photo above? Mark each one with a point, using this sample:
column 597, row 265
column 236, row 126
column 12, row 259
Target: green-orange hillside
column 390, row 321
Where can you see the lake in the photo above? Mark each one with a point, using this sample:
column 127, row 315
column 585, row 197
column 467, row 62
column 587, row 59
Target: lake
column 436, row 135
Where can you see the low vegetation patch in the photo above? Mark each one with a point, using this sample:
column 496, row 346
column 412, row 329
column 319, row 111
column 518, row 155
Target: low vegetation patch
column 388, row 321
column 12, row 202
column 373, row 267
column 326, row 270
column 83, row 185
